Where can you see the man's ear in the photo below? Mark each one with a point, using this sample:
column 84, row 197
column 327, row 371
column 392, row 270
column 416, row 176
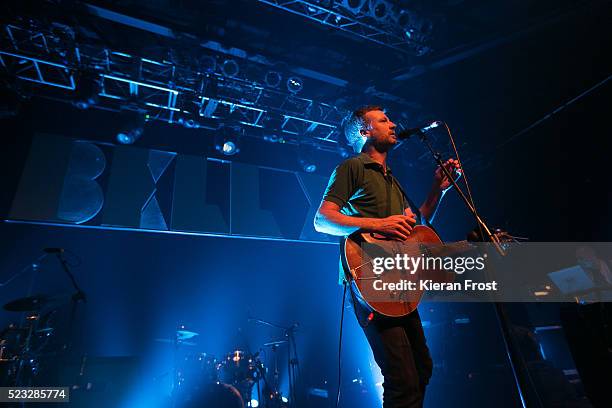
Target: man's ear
column 364, row 132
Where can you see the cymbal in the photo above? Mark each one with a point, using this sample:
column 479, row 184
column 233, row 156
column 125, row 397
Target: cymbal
column 36, row 302
column 185, row 334
column 177, row 341
column 274, row 343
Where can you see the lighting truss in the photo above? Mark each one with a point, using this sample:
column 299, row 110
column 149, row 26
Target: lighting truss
column 167, row 91
column 19, row 56
column 356, row 25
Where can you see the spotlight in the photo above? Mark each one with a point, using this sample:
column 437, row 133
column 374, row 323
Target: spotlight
column 344, row 153
column 308, row 167
column 308, row 157
column 230, row 68
column 129, row 136
column 133, row 127
column 229, row 148
column 380, row 9
column 188, row 123
column 307, row 160
column 273, row 79
column 404, row 19
column 227, row 143
column 254, row 403
column 87, row 91
column 294, row 84
column 207, row 64
column 354, row 6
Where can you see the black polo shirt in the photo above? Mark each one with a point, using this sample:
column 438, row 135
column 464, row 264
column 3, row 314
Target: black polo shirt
column 360, row 187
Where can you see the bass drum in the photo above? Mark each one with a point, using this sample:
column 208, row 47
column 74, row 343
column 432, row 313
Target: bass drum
column 215, row 396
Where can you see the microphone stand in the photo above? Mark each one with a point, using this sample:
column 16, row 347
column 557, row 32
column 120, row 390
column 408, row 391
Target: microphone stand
column 515, row 359
column 77, row 297
column 438, row 159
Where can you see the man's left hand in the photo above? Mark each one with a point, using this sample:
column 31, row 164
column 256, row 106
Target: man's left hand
column 442, row 182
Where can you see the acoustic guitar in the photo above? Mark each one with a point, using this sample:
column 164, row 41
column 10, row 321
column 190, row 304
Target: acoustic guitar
column 363, row 273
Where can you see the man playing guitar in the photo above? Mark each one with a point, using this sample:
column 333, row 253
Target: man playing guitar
column 362, row 195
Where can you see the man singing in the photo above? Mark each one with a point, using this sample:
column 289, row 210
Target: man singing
column 363, row 195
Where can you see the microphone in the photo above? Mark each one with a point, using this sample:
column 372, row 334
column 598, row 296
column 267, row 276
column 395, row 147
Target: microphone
column 408, row 133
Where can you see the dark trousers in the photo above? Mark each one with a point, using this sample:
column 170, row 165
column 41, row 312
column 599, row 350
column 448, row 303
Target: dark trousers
column 401, row 352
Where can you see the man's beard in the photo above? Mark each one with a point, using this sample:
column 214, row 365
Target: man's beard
column 382, row 146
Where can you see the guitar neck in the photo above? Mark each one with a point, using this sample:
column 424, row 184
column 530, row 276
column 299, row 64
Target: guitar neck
column 453, row 248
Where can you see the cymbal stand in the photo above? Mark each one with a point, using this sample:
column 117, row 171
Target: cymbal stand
column 292, row 356
column 78, row 296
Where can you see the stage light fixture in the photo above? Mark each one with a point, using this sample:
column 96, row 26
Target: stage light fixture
column 207, row 64
column 307, row 159
column 188, row 123
column 129, row 136
column 88, row 88
column 227, row 142
column 254, row 403
column 230, row 68
column 273, row 79
column 294, row 84
column 229, row 148
column 354, row 6
column 403, row 19
column 379, row 9
column 308, row 167
column 133, row 127
column 344, row 153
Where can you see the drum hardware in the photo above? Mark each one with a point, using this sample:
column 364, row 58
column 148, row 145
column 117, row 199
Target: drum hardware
column 21, row 348
column 27, row 348
column 202, row 377
column 292, row 357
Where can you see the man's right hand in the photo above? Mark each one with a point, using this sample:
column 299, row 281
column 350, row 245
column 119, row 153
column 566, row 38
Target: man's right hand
column 396, row 227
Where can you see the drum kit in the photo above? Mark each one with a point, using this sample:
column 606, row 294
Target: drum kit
column 198, row 380
column 23, row 346
column 232, row 380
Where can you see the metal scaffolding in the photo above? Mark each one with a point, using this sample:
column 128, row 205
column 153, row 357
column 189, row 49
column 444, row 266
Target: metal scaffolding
column 196, row 97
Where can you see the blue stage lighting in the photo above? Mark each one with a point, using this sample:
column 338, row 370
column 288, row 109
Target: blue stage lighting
column 294, row 84
column 308, row 166
column 254, row 403
column 130, row 136
column 229, row 148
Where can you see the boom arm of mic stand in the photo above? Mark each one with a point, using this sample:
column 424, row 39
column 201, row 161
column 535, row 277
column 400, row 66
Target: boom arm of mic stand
column 438, row 159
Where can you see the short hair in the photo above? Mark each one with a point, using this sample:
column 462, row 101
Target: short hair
column 355, row 124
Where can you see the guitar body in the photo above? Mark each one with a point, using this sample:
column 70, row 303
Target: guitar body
column 357, row 253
